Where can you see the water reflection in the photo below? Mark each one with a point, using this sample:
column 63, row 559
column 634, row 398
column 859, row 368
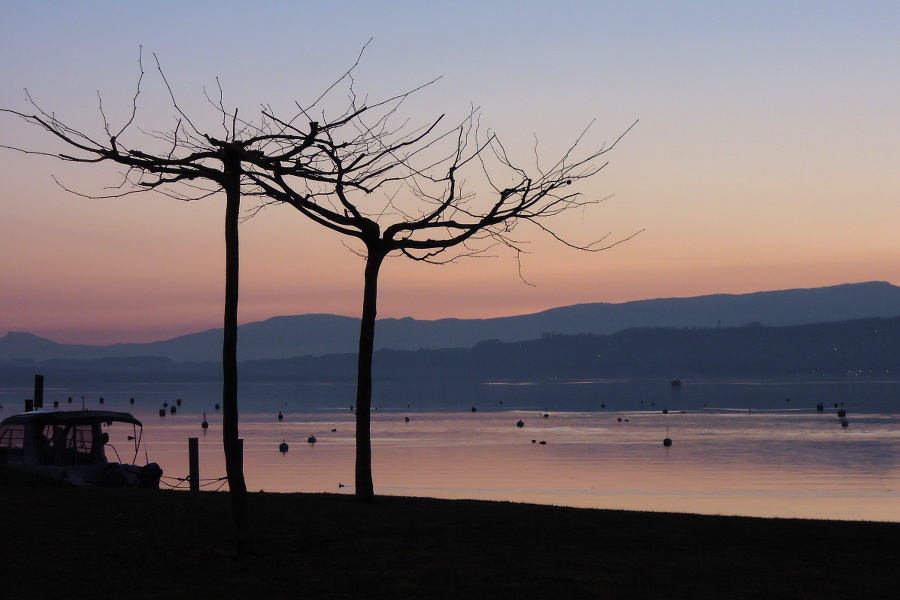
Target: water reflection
column 748, row 448
column 784, row 465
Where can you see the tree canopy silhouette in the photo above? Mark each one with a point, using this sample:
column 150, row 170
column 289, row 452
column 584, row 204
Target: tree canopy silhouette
column 190, row 162
column 428, row 194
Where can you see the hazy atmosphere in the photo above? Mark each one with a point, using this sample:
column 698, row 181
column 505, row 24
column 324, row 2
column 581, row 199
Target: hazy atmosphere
column 764, row 157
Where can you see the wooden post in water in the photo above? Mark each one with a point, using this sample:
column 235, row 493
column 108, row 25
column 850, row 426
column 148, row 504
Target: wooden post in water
column 38, row 392
column 194, row 463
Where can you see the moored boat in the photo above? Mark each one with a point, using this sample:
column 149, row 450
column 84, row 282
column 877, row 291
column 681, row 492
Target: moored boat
column 72, row 446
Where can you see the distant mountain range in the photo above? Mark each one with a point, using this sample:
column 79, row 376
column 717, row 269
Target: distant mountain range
column 318, row 335
column 861, row 348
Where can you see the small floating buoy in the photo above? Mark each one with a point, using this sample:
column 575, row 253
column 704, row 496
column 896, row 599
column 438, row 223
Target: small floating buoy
column 204, row 424
column 520, row 424
column 280, row 416
column 283, row 447
column 667, row 441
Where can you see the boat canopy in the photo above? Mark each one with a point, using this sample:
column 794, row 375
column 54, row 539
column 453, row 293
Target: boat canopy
column 71, row 417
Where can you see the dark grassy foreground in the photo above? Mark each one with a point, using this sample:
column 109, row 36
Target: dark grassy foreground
column 105, row 543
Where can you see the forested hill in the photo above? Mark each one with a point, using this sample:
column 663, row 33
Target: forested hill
column 290, row 336
column 858, row 348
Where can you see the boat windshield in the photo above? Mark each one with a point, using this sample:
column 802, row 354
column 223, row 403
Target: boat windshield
column 12, row 437
column 72, row 444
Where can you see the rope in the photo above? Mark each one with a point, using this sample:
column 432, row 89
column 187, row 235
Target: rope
column 203, row 482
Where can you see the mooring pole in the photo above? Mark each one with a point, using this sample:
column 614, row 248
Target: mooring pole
column 38, row 392
column 194, row 463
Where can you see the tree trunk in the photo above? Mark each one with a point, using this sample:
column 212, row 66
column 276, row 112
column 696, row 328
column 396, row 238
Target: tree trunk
column 234, row 459
column 365, row 489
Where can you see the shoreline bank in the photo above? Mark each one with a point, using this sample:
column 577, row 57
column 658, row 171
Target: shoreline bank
column 152, row 544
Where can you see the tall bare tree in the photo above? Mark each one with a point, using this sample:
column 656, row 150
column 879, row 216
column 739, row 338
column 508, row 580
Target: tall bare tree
column 410, row 191
column 188, row 163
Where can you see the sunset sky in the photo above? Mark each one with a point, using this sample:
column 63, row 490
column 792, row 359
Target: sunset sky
column 766, row 154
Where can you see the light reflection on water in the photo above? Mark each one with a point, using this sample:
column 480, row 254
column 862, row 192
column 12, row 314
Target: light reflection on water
column 752, row 452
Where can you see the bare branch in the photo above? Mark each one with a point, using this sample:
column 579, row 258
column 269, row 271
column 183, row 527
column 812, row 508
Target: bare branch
column 172, row 95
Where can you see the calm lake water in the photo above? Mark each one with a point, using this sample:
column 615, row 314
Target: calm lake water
column 738, row 447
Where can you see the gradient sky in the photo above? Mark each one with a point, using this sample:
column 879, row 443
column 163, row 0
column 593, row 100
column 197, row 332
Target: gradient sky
column 765, row 157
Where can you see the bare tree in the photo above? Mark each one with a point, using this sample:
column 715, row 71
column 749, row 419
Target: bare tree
column 430, row 195
column 188, row 163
